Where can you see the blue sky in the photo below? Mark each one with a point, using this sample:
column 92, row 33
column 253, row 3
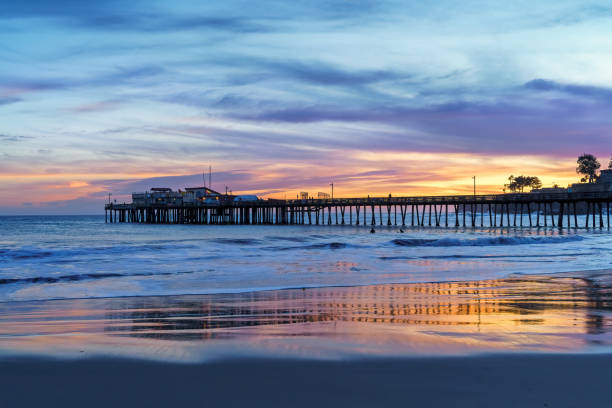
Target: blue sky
column 402, row 97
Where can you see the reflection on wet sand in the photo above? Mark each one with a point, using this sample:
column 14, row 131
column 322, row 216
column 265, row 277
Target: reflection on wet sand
column 539, row 313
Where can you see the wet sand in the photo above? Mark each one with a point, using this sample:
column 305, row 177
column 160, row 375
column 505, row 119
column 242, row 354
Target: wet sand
column 493, row 381
column 523, row 341
column 548, row 313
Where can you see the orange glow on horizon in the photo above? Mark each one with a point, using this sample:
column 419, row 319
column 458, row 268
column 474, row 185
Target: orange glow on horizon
column 354, row 174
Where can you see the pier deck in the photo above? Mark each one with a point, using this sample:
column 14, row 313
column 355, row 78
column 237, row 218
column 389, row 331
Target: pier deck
column 560, row 210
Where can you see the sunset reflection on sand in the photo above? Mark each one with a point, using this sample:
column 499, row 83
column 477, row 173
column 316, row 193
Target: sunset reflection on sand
column 538, row 313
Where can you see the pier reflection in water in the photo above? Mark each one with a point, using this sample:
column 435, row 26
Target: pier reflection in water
column 536, row 313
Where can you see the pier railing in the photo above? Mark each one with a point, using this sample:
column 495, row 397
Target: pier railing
column 498, row 210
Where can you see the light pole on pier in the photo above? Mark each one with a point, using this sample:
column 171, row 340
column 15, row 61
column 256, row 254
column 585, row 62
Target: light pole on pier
column 474, row 177
column 332, row 186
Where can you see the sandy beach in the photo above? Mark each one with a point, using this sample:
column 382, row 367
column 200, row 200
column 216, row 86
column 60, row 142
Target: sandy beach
column 486, row 381
column 524, row 341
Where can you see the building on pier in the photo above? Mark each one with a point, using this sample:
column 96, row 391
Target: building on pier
column 189, row 196
column 165, row 196
column 158, row 196
column 199, row 194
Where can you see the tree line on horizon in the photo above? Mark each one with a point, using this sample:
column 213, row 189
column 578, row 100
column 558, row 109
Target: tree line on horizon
column 587, row 166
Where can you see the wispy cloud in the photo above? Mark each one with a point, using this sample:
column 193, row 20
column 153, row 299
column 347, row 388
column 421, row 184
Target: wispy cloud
column 14, row 138
column 9, row 100
column 117, row 76
column 319, row 73
column 101, row 106
column 588, row 91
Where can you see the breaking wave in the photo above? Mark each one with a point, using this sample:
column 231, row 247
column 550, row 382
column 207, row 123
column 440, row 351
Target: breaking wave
column 488, row 241
column 238, row 241
column 79, row 277
column 322, row 245
column 27, row 252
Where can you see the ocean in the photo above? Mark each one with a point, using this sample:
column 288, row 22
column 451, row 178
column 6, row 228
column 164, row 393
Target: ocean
column 70, row 257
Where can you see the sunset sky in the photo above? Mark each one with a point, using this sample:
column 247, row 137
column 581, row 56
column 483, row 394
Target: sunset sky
column 378, row 97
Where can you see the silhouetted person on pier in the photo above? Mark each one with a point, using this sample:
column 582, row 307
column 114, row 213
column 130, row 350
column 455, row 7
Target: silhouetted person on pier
column 372, row 231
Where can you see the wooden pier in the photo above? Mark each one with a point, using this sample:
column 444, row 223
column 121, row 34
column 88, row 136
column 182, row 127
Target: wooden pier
column 560, row 210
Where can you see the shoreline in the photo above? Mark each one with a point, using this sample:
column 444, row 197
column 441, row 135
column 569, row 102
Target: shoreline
column 513, row 275
column 553, row 313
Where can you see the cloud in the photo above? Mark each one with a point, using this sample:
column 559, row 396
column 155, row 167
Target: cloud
column 319, row 73
column 516, row 124
column 78, row 184
column 284, row 179
column 582, row 13
column 157, row 17
column 117, row 76
column 305, row 71
column 7, row 101
column 117, row 16
column 13, row 138
column 166, row 23
column 122, row 187
column 544, row 85
column 336, row 83
column 101, row 106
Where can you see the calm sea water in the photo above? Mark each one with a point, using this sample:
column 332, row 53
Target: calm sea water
column 82, row 257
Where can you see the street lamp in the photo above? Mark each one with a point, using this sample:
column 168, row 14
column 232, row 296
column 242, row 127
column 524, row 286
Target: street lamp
column 474, row 177
column 332, row 186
